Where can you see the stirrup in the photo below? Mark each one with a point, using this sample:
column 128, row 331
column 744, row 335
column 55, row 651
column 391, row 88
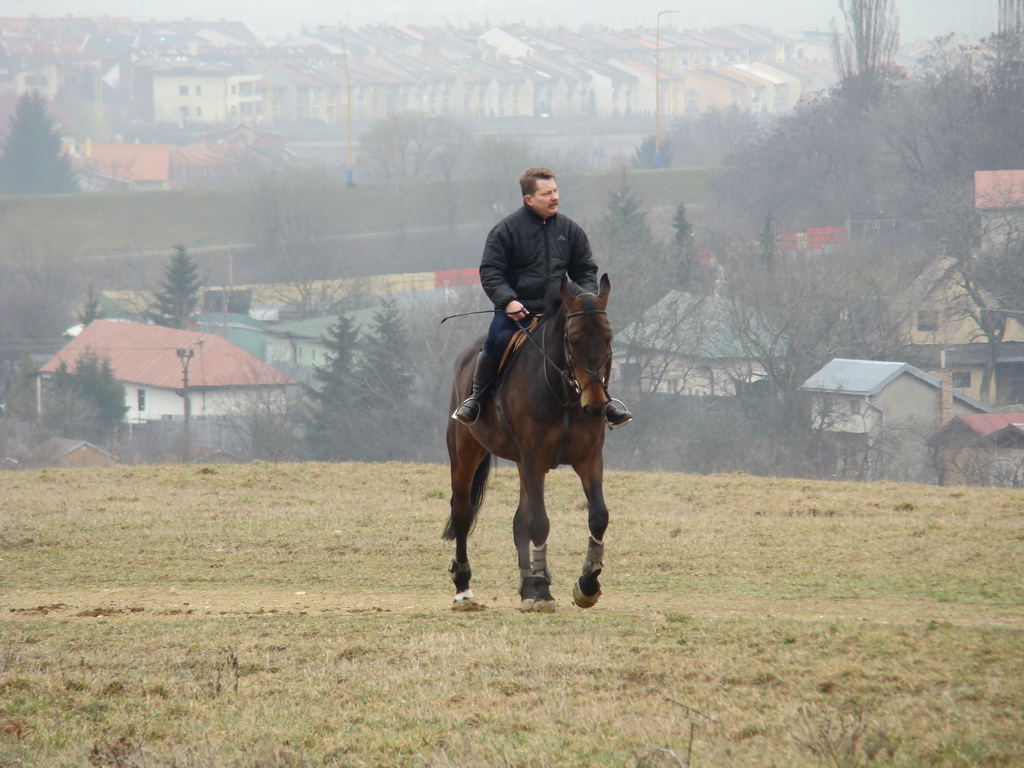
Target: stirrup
column 624, row 418
column 469, row 402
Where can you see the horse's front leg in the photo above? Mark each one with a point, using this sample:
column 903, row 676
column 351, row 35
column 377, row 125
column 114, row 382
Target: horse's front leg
column 531, row 527
column 587, row 590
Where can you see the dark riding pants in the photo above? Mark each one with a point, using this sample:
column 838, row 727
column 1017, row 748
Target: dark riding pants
column 499, row 335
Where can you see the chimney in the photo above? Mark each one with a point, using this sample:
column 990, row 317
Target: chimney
column 945, row 397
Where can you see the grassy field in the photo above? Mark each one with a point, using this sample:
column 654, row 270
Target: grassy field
column 292, row 615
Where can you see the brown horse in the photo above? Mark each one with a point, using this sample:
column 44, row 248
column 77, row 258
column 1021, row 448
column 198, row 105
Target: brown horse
column 547, row 409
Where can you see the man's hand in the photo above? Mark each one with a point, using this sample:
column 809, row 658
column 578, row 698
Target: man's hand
column 515, row 310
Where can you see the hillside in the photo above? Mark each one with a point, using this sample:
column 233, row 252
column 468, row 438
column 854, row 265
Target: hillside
column 82, row 226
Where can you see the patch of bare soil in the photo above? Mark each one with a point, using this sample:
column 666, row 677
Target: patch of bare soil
column 129, row 603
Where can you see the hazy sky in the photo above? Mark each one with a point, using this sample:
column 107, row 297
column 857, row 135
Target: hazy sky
column 918, row 18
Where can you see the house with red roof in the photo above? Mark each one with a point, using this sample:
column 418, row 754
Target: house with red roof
column 981, row 449
column 999, row 201
column 152, row 363
column 124, row 166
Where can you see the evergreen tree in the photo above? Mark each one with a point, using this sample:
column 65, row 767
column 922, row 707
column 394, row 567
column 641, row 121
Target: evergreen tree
column 645, row 157
column 179, row 295
column 769, row 242
column 19, row 392
column 384, row 377
column 32, row 161
column 624, row 227
column 684, row 251
column 329, row 422
column 86, row 403
column 93, row 309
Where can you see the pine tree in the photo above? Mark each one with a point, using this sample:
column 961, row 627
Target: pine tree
column 93, row 309
column 769, row 242
column 329, row 421
column 85, row 403
column 179, row 295
column 384, row 376
column 684, row 262
column 624, row 227
column 32, row 160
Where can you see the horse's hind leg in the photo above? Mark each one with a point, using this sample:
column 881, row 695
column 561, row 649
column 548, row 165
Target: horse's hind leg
column 587, row 589
column 469, row 479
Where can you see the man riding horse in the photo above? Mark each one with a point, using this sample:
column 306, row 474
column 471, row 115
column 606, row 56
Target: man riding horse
column 525, row 257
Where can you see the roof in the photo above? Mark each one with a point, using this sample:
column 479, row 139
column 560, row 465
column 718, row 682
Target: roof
column 702, row 320
column 1000, row 429
column 999, row 189
column 861, row 377
column 989, row 423
column 867, row 378
column 147, row 354
column 58, row 447
column 131, row 162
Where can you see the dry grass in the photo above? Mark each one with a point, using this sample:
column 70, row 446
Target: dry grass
column 273, row 616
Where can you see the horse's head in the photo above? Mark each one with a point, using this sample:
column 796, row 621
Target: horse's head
column 588, row 344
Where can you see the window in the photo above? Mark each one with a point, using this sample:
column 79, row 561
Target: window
column 961, row 380
column 199, row 90
column 199, row 111
column 183, row 90
column 855, row 406
column 142, row 400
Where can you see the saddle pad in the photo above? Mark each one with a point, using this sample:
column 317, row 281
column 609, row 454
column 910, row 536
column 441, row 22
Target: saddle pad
column 517, row 340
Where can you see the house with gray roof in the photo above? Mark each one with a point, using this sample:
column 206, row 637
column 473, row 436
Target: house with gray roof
column 880, row 416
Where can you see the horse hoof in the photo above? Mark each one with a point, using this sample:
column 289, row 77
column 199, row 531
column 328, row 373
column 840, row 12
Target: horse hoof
column 464, row 601
column 543, row 606
column 531, row 605
column 582, row 599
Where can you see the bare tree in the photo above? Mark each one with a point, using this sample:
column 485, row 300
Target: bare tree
column 263, row 418
column 865, row 55
column 293, row 215
column 496, row 163
column 413, row 145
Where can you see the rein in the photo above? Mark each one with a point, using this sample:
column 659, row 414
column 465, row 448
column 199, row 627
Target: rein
column 568, row 376
column 595, row 376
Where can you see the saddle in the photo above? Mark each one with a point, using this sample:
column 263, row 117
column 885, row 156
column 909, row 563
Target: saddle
column 516, row 343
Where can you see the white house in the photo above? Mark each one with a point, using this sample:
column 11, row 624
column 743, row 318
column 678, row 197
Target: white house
column 151, row 362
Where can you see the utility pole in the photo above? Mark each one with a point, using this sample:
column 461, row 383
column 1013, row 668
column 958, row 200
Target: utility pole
column 657, row 88
column 186, row 354
column 349, row 179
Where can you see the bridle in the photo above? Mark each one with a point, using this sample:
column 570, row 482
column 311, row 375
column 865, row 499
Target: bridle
column 599, row 376
column 568, row 375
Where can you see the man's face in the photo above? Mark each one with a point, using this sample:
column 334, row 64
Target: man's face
column 544, row 200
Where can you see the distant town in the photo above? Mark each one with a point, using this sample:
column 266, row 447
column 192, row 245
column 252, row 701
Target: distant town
column 200, row 94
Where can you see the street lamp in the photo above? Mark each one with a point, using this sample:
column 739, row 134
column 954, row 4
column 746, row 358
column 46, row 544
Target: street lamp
column 657, row 88
column 186, row 354
column 349, row 181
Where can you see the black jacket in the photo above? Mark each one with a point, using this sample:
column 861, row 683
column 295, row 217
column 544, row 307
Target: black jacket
column 526, row 256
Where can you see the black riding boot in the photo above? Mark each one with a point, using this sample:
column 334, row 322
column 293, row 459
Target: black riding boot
column 617, row 414
column 469, row 411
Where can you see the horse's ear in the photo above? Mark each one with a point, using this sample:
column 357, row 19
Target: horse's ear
column 563, row 289
column 606, row 287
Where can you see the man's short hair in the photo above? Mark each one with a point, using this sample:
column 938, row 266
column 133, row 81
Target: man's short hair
column 528, row 181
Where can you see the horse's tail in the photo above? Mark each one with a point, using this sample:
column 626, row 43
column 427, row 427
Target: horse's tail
column 476, row 498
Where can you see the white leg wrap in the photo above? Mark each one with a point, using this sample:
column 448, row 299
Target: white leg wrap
column 595, row 557
column 539, row 562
